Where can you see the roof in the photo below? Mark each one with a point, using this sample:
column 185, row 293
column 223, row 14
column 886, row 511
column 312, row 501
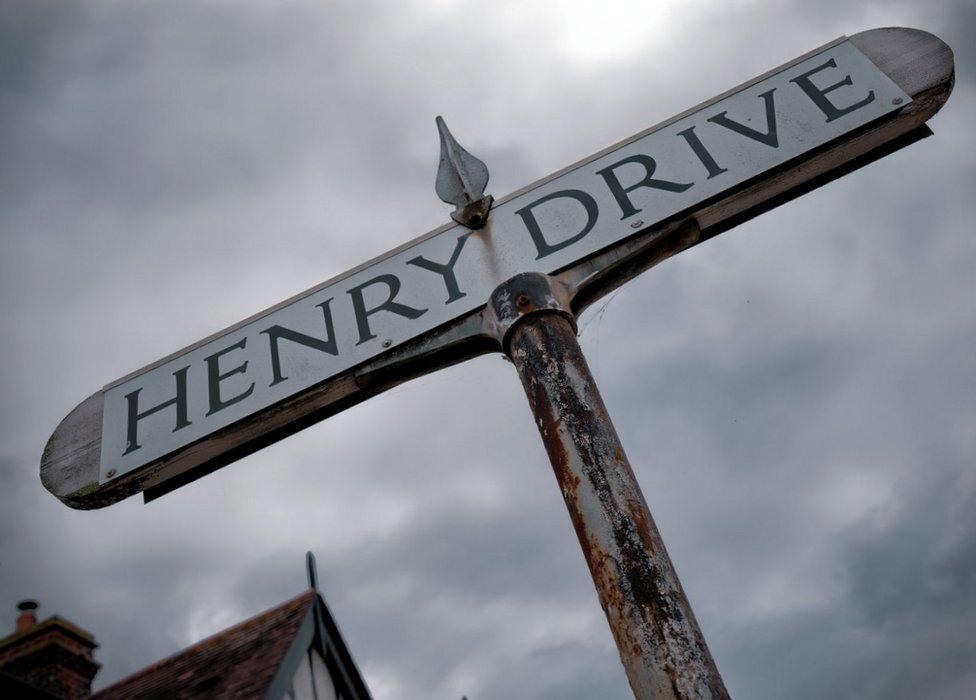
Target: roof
column 240, row 662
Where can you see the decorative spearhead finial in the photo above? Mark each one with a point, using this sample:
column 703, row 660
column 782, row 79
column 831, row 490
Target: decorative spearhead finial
column 461, row 181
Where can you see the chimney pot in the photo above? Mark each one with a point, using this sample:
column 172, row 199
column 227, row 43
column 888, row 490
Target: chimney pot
column 27, row 617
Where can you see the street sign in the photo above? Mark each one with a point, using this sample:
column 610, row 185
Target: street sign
column 421, row 307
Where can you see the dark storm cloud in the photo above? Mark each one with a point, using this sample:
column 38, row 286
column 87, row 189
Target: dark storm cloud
column 796, row 395
column 152, row 104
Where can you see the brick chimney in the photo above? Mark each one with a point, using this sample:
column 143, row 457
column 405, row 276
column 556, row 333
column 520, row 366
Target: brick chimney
column 54, row 655
column 27, row 617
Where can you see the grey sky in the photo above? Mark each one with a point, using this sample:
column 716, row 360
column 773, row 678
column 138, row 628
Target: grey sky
column 796, row 396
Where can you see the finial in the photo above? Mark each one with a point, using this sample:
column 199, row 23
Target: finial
column 461, row 181
column 313, row 575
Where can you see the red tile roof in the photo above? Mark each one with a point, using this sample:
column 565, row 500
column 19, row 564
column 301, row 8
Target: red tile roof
column 239, row 662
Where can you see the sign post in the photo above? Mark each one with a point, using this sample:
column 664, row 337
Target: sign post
column 660, row 644
column 512, row 275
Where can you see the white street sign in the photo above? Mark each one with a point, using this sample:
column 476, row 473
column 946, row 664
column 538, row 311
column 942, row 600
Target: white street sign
column 337, row 326
column 783, row 122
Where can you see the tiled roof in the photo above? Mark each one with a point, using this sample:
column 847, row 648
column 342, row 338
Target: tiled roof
column 239, row 662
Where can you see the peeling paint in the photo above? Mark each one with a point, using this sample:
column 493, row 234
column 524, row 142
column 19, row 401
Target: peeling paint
column 660, row 644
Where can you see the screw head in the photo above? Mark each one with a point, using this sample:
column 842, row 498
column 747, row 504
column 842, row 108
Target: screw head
column 636, row 224
column 897, row 101
column 387, row 343
column 110, row 473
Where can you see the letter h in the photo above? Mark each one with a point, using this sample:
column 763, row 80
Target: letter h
column 132, row 401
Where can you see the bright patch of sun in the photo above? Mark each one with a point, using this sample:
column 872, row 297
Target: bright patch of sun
column 611, row 31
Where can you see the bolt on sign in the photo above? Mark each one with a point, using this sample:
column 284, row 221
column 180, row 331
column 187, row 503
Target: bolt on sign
column 419, row 307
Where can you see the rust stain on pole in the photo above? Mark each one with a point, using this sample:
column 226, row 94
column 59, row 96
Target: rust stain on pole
column 661, row 646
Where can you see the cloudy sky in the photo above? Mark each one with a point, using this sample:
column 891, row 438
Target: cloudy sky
column 797, row 396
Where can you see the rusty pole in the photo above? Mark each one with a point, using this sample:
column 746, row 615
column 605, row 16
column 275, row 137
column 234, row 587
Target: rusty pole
column 660, row 644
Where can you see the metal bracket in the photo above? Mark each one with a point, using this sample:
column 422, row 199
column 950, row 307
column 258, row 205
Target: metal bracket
column 474, row 214
column 523, row 296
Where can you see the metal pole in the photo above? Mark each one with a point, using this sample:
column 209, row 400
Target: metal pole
column 660, row 644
